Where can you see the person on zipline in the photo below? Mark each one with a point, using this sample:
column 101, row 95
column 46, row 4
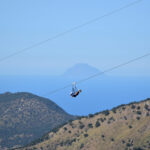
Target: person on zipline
column 75, row 92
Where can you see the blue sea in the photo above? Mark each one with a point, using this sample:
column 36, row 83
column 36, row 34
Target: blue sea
column 97, row 94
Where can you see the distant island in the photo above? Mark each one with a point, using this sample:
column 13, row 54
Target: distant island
column 81, row 70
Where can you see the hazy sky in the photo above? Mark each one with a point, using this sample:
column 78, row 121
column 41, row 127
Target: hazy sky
column 103, row 44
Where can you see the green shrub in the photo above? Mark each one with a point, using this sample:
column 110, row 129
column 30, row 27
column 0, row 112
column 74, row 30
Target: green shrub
column 106, row 112
column 65, row 129
column 97, row 124
column 108, row 121
column 55, row 129
column 90, row 125
column 133, row 106
column 67, row 142
column 130, row 126
column 86, row 135
column 81, row 146
column 102, row 119
column 138, row 107
column 96, row 113
column 80, row 122
column 71, row 124
column 137, row 148
column 111, row 119
column 125, row 117
column 112, row 139
column 128, row 144
column 114, row 110
column 69, row 131
column 80, row 117
column 82, row 126
column 138, row 118
column 123, row 108
column 146, row 107
column 123, row 142
column 90, row 115
column 48, row 146
column 139, row 112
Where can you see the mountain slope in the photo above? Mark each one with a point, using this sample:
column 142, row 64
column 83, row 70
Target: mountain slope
column 126, row 127
column 25, row 117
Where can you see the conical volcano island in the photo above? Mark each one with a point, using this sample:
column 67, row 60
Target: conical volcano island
column 25, row 117
column 81, row 70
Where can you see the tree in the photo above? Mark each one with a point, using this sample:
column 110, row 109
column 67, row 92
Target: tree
column 90, row 125
column 97, row 124
column 82, row 126
column 86, row 135
column 106, row 112
column 81, row 146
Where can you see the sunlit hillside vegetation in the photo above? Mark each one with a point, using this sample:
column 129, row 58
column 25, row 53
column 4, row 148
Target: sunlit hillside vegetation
column 123, row 128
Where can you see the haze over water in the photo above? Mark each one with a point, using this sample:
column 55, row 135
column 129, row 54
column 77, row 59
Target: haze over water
column 98, row 94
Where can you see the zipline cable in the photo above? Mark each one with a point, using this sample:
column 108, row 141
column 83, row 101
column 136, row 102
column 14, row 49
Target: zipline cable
column 70, row 30
column 101, row 73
